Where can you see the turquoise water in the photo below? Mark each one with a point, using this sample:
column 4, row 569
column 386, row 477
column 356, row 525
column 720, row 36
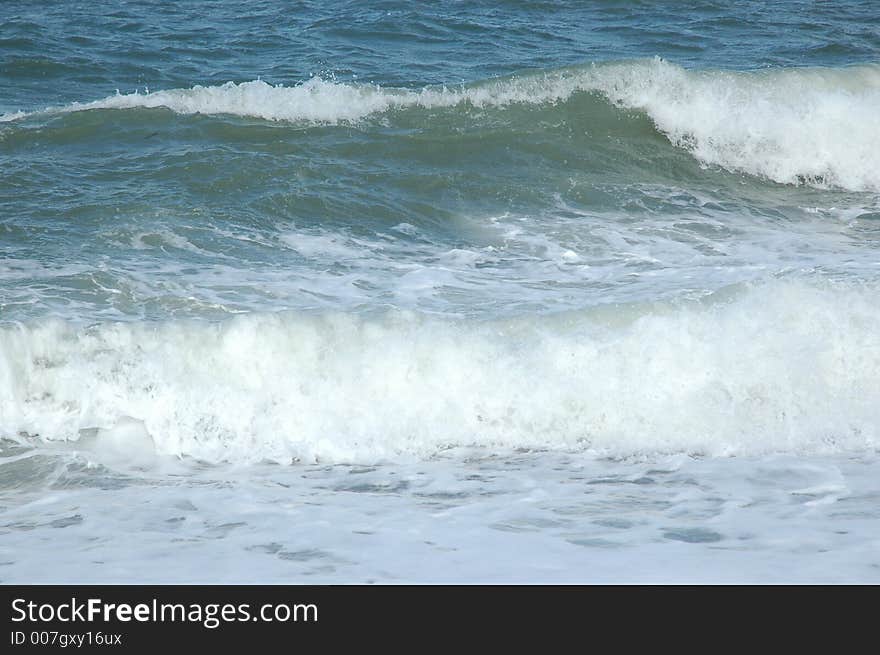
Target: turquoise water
column 423, row 240
column 199, row 161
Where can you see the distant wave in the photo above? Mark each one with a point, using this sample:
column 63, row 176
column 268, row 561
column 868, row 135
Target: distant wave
column 783, row 367
column 815, row 126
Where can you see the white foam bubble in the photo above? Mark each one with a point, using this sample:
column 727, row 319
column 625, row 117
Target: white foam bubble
column 784, row 367
column 124, row 443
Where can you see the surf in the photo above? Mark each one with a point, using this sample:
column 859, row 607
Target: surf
column 798, row 126
column 783, row 367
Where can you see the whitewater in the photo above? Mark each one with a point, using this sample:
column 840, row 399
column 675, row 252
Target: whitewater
column 783, row 368
column 471, row 294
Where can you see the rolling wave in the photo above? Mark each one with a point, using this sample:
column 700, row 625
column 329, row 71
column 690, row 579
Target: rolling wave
column 815, row 126
column 782, row 367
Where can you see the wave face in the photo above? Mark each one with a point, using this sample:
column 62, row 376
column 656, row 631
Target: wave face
column 815, row 126
column 784, row 367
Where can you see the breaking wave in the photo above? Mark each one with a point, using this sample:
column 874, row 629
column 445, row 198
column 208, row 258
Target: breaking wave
column 815, row 126
column 780, row 367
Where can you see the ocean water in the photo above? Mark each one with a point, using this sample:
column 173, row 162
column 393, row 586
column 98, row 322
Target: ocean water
column 456, row 292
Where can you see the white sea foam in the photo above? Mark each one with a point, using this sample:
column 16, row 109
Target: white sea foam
column 816, row 126
column 784, row 367
column 528, row 518
column 13, row 116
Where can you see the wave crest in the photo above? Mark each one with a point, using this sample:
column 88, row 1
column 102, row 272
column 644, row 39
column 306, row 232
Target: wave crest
column 784, row 367
column 795, row 126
